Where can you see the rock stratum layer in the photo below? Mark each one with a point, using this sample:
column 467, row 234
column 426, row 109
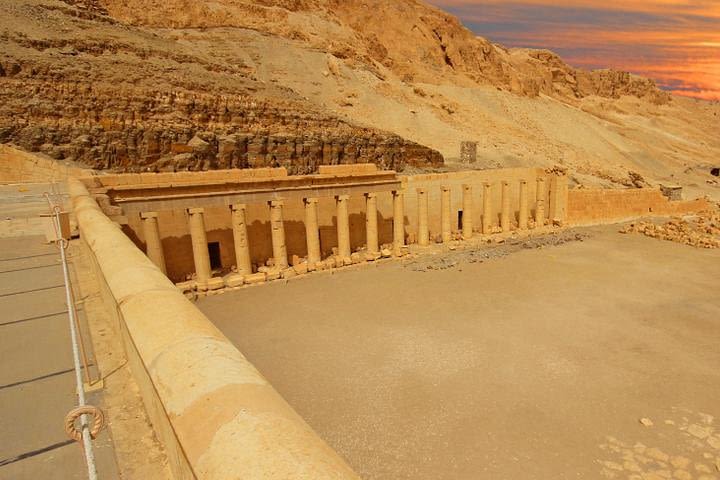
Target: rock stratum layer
column 77, row 84
column 136, row 85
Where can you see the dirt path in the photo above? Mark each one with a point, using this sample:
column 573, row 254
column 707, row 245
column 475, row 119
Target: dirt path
column 535, row 365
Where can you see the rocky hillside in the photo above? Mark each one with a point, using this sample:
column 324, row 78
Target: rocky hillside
column 175, row 84
column 77, row 84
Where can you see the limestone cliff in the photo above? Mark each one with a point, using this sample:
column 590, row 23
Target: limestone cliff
column 198, row 84
column 75, row 83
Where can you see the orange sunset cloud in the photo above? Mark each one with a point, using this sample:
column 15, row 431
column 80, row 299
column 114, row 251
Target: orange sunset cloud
column 674, row 42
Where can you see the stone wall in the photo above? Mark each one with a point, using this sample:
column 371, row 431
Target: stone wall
column 215, row 414
column 17, row 166
column 596, row 206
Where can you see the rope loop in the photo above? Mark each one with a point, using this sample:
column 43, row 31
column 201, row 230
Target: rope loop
column 98, row 422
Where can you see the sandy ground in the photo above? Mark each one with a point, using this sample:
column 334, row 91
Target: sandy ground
column 537, row 364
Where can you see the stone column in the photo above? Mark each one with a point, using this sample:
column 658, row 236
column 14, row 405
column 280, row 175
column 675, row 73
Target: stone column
column 201, row 256
column 398, row 222
column 505, row 211
column 240, row 237
column 558, row 198
column 423, row 231
column 467, row 217
column 277, row 228
column 540, row 205
column 445, row 225
column 312, row 232
column 343, row 226
column 523, row 213
column 371, row 227
column 154, row 248
column 487, row 222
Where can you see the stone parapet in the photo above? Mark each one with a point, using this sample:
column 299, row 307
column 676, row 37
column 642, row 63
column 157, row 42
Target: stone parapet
column 597, row 206
column 217, row 417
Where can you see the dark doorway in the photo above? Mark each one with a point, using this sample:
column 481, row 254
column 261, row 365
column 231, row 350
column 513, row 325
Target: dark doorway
column 214, row 251
column 460, row 218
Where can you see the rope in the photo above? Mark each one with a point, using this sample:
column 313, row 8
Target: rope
column 83, row 410
column 98, row 422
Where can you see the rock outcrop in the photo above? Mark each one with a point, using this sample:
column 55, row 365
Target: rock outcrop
column 114, row 97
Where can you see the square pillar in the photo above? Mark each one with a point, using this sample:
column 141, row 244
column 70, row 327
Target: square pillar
column 277, row 230
column 467, row 217
column 240, row 238
column 423, row 231
column 445, row 225
column 201, row 256
column 398, row 222
column 153, row 244
column 371, row 225
column 540, row 205
column 487, row 222
column 558, row 199
column 505, row 210
column 523, row 213
column 343, row 227
column 312, row 232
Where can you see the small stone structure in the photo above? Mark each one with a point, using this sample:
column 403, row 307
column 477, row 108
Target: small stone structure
column 672, row 192
column 468, row 152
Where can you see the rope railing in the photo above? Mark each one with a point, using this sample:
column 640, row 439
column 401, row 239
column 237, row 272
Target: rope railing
column 87, row 432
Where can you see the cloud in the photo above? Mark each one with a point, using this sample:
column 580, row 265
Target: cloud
column 675, row 42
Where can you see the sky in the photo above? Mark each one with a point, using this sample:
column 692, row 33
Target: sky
column 674, row 42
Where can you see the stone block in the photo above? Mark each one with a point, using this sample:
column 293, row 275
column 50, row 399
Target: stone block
column 233, row 280
column 186, row 286
column 371, row 257
column 386, row 253
column 288, row 272
column 468, row 152
column 273, row 274
column 330, row 262
column 215, row 283
column 259, row 277
column 301, row 268
column 356, row 257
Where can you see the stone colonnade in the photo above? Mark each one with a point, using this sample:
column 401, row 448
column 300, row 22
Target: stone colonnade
column 489, row 222
column 345, row 256
column 201, row 255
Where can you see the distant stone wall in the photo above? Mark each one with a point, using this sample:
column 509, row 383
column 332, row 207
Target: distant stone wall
column 468, row 152
column 17, row 166
column 215, row 414
column 597, row 206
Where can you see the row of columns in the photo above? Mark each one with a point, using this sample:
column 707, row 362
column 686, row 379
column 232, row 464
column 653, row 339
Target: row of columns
column 467, row 205
column 201, row 255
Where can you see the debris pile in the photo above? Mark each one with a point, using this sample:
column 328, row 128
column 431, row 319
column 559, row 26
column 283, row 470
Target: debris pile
column 701, row 231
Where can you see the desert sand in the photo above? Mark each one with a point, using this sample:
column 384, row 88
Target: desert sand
column 539, row 364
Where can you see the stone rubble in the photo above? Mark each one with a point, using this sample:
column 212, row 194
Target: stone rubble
column 701, row 231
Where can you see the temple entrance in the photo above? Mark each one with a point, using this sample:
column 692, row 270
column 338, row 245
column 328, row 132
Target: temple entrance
column 214, row 251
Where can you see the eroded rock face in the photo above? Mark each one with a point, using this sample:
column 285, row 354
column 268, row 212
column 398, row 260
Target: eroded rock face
column 168, row 131
column 77, row 84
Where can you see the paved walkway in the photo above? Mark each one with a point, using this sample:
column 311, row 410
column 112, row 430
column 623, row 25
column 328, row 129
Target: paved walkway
column 37, row 383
